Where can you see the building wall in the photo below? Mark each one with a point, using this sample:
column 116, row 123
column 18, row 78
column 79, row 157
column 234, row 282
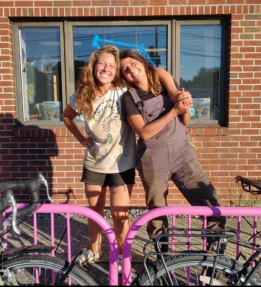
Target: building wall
column 224, row 152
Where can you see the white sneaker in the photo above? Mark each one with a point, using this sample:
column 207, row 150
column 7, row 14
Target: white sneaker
column 89, row 257
column 120, row 264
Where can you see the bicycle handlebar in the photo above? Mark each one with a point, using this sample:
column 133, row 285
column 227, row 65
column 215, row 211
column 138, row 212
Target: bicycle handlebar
column 7, row 201
column 33, row 187
column 30, row 185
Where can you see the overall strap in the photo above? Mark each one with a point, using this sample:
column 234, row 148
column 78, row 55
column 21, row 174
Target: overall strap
column 135, row 95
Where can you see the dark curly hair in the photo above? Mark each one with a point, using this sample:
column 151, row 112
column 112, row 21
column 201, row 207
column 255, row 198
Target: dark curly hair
column 153, row 78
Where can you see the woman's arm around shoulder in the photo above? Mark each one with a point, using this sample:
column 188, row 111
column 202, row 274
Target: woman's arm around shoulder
column 147, row 130
column 176, row 94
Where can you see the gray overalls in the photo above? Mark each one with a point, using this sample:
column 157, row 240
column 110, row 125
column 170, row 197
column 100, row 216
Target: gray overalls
column 169, row 155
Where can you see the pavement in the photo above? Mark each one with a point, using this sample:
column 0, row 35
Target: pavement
column 80, row 238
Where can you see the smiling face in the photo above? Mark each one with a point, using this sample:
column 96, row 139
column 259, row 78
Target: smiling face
column 133, row 70
column 105, row 69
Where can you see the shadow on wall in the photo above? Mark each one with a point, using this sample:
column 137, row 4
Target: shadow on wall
column 25, row 151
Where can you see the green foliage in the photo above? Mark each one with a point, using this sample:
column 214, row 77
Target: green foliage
column 205, row 78
column 248, row 202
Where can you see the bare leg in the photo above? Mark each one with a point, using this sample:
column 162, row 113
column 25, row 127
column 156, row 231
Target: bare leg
column 96, row 196
column 120, row 201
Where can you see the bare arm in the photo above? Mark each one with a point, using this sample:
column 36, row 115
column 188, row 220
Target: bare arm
column 146, row 131
column 187, row 101
column 69, row 115
column 176, row 94
column 185, row 118
column 167, row 81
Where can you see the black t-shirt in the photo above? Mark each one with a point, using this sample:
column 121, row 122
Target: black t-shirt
column 128, row 105
column 173, row 131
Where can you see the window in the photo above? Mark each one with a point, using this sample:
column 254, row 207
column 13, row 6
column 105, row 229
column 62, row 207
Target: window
column 200, row 68
column 51, row 56
column 40, row 74
column 149, row 41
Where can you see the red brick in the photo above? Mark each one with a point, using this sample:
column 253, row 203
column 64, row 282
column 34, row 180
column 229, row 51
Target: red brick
column 223, row 152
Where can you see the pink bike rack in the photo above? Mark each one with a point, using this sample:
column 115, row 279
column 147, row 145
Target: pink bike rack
column 180, row 210
column 189, row 211
column 88, row 213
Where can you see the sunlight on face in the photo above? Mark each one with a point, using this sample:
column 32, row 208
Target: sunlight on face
column 132, row 69
column 105, row 69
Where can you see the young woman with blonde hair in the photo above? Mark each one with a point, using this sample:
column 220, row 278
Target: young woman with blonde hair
column 109, row 159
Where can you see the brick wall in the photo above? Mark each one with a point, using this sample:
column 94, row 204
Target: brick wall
column 223, row 152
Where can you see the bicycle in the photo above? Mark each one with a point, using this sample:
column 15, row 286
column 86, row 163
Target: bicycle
column 166, row 271
column 31, row 265
column 199, row 267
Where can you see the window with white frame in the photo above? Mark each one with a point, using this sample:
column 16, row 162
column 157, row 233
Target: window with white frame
column 51, row 56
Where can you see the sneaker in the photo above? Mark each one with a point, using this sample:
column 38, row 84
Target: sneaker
column 120, row 264
column 89, row 257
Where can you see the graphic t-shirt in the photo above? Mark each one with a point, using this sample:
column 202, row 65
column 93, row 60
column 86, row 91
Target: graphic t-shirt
column 114, row 140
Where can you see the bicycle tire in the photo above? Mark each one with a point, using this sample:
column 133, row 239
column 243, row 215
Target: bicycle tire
column 25, row 267
column 178, row 264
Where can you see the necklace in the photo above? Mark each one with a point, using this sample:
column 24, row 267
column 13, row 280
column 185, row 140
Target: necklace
column 103, row 93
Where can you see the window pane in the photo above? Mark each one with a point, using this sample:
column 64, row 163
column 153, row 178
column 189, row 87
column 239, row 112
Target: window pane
column 200, row 63
column 40, row 56
column 149, row 41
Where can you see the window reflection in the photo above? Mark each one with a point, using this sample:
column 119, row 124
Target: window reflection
column 41, row 73
column 149, row 41
column 200, row 63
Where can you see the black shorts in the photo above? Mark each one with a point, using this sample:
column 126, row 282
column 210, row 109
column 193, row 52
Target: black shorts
column 108, row 179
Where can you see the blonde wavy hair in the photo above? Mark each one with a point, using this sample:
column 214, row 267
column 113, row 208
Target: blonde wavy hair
column 153, row 78
column 86, row 86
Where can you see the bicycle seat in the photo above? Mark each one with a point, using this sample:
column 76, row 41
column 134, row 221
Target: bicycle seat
column 247, row 183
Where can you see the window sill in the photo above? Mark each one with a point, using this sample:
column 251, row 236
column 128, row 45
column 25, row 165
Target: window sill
column 42, row 132
column 208, row 131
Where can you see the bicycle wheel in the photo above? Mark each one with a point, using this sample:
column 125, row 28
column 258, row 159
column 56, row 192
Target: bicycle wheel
column 192, row 271
column 44, row 270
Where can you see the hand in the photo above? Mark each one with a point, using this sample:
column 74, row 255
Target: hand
column 183, row 105
column 185, row 97
column 87, row 142
column 180, row 95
